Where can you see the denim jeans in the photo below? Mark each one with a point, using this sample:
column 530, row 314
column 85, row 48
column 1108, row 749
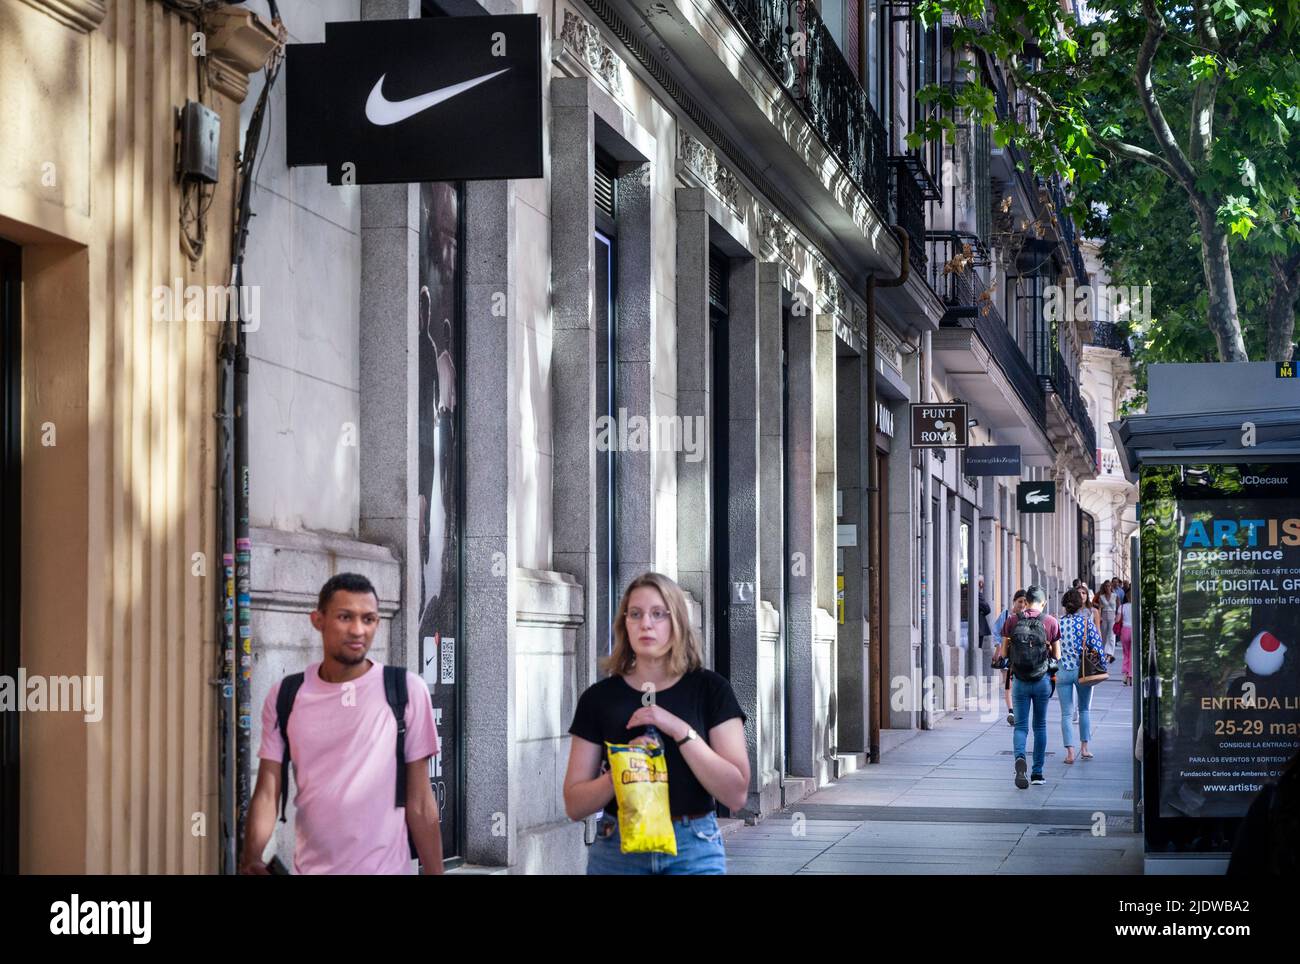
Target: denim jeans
column 1067, row 686
column 1023, row 695
column 699, row 851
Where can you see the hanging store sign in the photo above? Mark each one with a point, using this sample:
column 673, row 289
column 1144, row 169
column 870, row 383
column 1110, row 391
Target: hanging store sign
column 940, row 426
column 1036, row 496
column 428, row 99
column 991, row 460
column 884, row 420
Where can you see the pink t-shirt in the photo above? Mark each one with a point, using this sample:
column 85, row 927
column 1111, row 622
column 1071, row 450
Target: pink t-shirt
column 344, row 741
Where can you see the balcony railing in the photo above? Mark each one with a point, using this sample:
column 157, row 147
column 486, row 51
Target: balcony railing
column 801, row 53
column 908, row 202
column 1107, row 334
column 1060, row 381
column 1069, row 233
column 952, row 258
column 1108, row 464
column 983, row 316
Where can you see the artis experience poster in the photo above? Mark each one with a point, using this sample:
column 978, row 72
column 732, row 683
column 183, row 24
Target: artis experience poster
column 1221, row 597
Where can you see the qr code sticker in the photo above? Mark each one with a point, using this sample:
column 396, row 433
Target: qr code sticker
column 448, row 660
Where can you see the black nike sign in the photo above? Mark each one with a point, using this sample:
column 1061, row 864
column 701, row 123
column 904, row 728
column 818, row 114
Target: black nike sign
column 429, row 99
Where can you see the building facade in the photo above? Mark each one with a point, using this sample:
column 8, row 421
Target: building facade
column 109, row 431
column 1107, row 383
column 503, row 400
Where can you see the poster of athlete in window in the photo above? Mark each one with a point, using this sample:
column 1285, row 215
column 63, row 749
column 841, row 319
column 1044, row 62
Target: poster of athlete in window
column 1226, row 581
column 439, row 482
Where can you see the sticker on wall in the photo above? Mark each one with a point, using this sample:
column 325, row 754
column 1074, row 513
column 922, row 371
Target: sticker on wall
column 448, row 660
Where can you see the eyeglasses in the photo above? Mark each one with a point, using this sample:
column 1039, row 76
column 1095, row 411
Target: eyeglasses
column 657, row 615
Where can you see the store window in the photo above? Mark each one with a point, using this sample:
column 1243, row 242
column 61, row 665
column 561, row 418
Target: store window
column 441, row 488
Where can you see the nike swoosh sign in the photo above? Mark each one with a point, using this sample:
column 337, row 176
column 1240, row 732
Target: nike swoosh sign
column 382, row 112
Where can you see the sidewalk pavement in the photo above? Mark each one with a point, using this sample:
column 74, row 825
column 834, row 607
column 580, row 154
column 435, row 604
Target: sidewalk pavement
column 943, row 801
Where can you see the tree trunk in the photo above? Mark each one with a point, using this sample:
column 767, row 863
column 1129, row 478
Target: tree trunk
column 1279, row 313
column 1223, row 320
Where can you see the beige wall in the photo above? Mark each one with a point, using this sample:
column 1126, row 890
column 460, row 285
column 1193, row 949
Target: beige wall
column 115, row 509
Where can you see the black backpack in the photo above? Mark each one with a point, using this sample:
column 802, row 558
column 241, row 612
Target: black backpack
column 1028, row 649
column 396, row 693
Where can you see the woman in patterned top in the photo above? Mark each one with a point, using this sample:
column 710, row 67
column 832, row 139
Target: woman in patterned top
column 1078, row 629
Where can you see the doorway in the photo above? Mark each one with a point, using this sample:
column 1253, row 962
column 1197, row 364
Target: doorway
column 10, row 529
column 720, row 462
column 879, row 606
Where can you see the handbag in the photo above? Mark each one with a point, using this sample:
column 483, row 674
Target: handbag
column 1092, row 666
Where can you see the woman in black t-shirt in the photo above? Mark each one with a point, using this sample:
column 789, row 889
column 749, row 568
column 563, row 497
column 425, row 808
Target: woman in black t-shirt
column 657, row 679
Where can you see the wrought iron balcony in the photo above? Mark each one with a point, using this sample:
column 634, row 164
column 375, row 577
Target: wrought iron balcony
column 1060, row 381
column 1107, row 334
column 983, row 316
column 801, row 53
column 908, row 202
column 952, row 258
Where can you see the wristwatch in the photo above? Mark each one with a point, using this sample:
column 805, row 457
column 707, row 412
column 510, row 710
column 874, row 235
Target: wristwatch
column 690, row 735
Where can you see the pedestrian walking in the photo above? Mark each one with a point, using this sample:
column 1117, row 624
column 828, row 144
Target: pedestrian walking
column 1126, row 638
column 657, row 679
column 1000, row 661
column 1033, row 648
column 1077, row 631
column 1108, row 604
column 364, row 798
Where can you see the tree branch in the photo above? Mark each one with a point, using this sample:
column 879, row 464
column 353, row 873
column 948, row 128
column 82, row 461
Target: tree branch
column 1117, row 147
column 1201, row 136
column 1156, row 30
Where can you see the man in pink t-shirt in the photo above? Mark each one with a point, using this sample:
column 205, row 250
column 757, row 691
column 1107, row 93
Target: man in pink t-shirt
column 342, row 738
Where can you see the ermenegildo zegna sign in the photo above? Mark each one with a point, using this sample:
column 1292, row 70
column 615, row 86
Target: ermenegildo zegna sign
column 991, row 460
column 429, row 99
column 939, row 426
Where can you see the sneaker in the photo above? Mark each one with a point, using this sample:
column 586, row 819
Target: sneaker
column 1021, row 767
column 1011, row 719
column 1037, row 778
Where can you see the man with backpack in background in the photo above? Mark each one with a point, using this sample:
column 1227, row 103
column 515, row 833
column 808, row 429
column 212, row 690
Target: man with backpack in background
column 1000, row 660
column 1031, row 645
column 360, row 735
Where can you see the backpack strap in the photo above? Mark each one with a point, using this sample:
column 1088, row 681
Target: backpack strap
column 289, row 687
column 395, row 691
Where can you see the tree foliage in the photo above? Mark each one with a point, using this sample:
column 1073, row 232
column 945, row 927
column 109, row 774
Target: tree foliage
column 1184, row 119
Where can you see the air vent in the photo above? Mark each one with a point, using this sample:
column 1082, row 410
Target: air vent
column 604, row 187
column 717, row 282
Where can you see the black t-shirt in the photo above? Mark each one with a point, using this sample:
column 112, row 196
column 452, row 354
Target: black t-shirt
column 701, row 698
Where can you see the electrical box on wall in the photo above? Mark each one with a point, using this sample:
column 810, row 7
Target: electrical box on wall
column 200, row 140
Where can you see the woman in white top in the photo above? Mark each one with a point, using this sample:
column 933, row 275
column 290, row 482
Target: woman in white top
column 1108, row 603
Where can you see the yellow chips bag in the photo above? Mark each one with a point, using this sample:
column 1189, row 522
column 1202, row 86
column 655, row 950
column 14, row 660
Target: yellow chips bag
column 640, row 776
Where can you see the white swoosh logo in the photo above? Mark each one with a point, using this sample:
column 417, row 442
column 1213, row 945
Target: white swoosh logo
column 382, row 112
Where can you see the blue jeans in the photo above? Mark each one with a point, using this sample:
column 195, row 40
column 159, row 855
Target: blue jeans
column 1022, row 695
column 1067, row 684
column 699, row 851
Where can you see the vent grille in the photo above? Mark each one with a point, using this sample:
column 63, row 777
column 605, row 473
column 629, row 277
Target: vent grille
column 604, row 188
column 717, row 284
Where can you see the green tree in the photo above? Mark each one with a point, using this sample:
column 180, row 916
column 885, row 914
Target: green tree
column 1205, row 93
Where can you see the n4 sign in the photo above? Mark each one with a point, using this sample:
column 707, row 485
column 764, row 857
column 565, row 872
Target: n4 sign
column 936, row 426
column 1036, row 496
column 426, row 99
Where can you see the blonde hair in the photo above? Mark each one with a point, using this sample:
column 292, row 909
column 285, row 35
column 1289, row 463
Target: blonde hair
column 684, row 654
